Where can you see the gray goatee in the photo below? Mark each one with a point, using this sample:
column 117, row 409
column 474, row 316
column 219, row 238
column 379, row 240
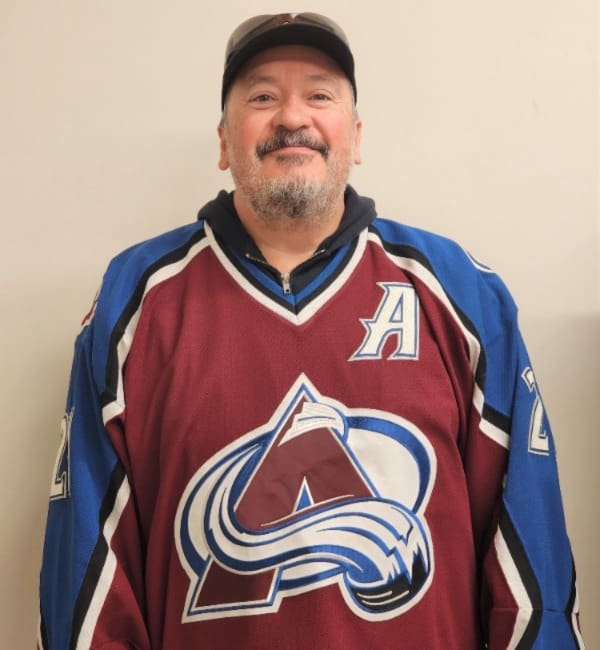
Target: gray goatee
column 297, row 197
column 292, row 198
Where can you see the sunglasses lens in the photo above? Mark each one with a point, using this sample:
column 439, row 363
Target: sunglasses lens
column 259, row 24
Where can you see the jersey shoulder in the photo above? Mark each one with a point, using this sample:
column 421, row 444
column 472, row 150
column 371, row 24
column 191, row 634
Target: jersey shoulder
column 477, row 297
column 472, row 287
column 125, row 283
column 128, row 268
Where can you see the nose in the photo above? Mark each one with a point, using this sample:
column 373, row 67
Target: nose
column 293, row 114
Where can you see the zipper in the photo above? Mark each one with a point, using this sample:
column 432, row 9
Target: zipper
column 257, row 260
column 285, row 278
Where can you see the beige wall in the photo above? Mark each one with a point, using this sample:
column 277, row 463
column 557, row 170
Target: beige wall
column 480, row 123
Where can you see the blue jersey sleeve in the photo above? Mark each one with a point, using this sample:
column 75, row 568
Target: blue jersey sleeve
column 88, row 492
column 529, row 571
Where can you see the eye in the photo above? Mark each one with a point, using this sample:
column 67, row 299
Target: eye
column 262, row 98
column 320, row 97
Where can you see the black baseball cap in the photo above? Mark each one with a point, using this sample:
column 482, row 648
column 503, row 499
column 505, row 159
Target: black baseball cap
column 270, row 30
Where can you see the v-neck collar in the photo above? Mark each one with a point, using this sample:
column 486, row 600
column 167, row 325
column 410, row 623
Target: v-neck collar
column 313, row 282
column 299, row 307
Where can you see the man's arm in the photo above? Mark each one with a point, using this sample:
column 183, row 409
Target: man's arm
column 529, row 593
column 91, row 590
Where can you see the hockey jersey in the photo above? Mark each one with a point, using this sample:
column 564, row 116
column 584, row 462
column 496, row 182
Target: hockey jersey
column 362, row 462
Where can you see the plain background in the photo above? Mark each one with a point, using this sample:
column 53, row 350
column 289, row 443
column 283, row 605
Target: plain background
column 480, row 122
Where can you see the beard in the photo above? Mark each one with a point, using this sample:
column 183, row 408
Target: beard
column 293, row 196
column 297, row 197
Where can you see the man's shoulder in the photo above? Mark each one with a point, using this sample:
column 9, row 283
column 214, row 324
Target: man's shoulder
column 471, row 285
column 157, row 249
column 400, row 236
column 130, row 273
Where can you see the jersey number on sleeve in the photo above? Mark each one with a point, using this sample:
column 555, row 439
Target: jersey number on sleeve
column 538, row 436
column 59, row 487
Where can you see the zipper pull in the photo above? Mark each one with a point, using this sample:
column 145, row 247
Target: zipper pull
column 285, row 283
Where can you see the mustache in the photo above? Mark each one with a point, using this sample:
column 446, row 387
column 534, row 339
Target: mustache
column 284, row 139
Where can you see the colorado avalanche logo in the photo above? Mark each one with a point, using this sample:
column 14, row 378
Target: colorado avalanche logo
column 320, row 494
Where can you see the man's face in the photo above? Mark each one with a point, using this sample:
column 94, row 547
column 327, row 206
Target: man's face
column 290, row 135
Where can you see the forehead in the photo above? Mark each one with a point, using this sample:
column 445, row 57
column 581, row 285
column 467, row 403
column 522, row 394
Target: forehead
column 282, row 61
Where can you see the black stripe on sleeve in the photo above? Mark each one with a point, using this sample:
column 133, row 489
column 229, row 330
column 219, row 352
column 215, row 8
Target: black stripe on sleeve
column 571, row 604
column 43, row 634
column 517, row 551
column 496, row 418
column 98, row 558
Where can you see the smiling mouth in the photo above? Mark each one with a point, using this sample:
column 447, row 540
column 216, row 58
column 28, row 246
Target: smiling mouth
column 294, row 156
column 291, row 144
column 295, row 150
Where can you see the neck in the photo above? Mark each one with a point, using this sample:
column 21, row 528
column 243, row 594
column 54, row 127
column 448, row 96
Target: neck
column 287, row 242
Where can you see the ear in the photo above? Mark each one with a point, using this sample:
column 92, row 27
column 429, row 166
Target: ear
column 357, row 136
column 223, row 159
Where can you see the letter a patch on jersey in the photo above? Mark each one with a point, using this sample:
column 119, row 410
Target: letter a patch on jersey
column 320, row 494
column 397, row 318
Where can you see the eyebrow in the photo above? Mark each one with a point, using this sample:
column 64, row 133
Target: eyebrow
column 259, row 78
column 252, row 79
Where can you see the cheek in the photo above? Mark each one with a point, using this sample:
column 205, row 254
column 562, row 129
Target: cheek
column 245, row 133
column 339, row 134
column 242, row 147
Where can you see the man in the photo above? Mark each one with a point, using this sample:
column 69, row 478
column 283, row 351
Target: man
column 293, row 424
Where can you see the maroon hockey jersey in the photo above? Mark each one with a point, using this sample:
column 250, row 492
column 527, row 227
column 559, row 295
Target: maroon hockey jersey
column 364, row 463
